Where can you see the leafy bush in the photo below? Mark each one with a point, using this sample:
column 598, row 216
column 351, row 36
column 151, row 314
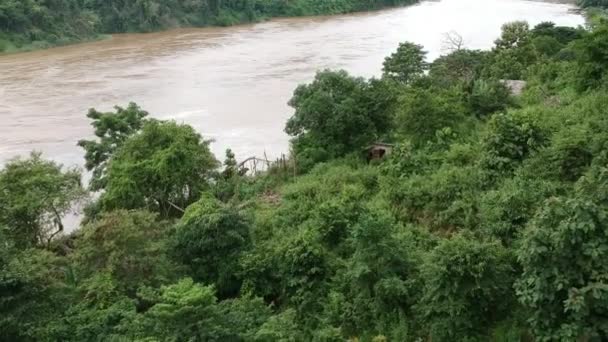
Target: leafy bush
column 210, row 239
column 468, row 287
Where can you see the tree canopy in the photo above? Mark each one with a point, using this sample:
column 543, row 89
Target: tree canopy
column 162, row 168
column 36, row 194
column 335, row 115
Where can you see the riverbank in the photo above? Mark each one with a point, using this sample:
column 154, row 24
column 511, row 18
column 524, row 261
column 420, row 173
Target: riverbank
column 63, row 26
column 8, row 47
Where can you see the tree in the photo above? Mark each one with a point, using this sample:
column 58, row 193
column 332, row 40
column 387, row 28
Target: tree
column 459, row 67
column 100, row 310
column 112, row 130
column 33, row 292
column 163, row 168
column 378, row 286
column 593, row 3
column 593, row 52
column 281, row 328
column 546, row 46
column 227, row 184
column 505, row 212
column 183, row 311
column 422, row 112
column 35, row 195
column 230, row 165
column 189, row 311
column 514, row 34
column 509, row 140
column 489, row 96
column 563, row 34
column 305, row 270
column 468, row 288
column 452, row 42
column 406, row 64
column 129, row 246
column 565, row 277
column 210, row 240
column 513, row 52
column 336, row 114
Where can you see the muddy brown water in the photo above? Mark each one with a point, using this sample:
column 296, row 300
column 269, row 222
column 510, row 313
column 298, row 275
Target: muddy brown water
column 232, row 84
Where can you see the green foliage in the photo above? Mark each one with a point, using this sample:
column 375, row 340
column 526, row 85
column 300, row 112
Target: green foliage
column 564, row 275
column 130, row 247
column 377, row 289
column 210, row 239
column 230, row 165
column 32, row 292
column 513, row 52
column 442, row 200
column 163, row 168
column 593, row 52
column 183, row 311
column 593, row 3
column 334, row 115
column 406, row 64
column 31, row 24
column 486, row 222
column 188, row 311
column 546, row 46
column 488, row 97
column 35, row 194
column 36, row 24
column 97, row 314
column 229, row 182
column 279, row 328
column 515, row 34
column 468, row 286
column 505, row 211
column 112, row 130
column 305, row 270
column 423, row 112
column 458, row 67
column 509, row 140
column 562, row 34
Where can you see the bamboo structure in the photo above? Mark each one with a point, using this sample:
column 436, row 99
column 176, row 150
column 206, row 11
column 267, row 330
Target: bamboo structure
column 254, row 166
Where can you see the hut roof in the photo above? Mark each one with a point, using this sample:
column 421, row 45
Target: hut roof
column 379, row 144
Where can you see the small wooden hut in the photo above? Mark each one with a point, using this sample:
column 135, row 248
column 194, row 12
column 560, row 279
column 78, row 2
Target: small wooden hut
column 378, row 151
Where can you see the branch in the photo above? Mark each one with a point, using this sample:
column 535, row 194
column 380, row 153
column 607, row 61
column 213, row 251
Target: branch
column 176, row 207
column 58, row 223
column 452, row 41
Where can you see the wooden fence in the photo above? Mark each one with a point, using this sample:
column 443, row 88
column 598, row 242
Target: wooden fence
column 254, row 166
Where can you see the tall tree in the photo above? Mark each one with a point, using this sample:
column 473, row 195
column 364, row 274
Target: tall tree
column 336, row 114
column 565, row 277
column 210, row 240
column 128, row 246
column 164, row 169
column 35, row 195
column 406, row 64
column 593, row 54
column 112, row 129
column 422, row 112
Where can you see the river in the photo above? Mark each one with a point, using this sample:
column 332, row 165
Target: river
column 231, row 84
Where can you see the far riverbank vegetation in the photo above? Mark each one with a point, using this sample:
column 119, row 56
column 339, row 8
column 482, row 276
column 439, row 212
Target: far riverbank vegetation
column 32, row 24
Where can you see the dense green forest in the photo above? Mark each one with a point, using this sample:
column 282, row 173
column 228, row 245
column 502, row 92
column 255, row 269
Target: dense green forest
column 593, row 3
column 487, row 222
column 31, row 24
